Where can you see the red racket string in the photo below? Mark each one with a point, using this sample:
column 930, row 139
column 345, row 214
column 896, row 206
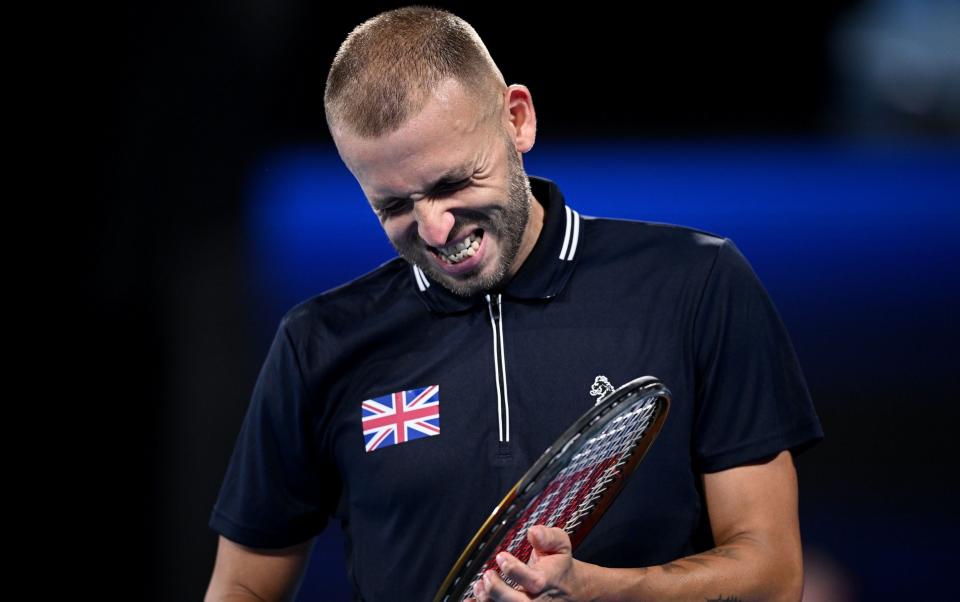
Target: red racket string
column 574, row 492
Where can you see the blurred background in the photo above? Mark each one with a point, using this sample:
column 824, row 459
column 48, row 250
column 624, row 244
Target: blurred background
column 824, row 141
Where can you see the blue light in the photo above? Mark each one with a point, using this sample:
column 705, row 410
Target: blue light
column 843, row 236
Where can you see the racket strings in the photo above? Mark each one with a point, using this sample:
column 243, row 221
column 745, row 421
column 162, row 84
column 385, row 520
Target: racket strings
column 552, row 506
column 617, row 444
column 575, row 491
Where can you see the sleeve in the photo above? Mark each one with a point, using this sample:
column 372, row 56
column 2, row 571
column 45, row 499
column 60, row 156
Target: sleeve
column 752, row 400
column 274, row 493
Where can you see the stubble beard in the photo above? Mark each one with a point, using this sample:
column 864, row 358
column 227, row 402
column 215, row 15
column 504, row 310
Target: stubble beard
column 507, row 225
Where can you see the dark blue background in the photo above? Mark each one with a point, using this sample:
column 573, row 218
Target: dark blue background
column 823, row 139
column 856, row 244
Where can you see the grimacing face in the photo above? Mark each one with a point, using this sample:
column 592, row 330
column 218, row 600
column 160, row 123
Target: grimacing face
column 450, row 192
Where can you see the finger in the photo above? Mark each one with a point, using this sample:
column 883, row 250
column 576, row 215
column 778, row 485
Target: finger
column 479, row 592
column 532, row 580
column 552, row 540
column 497, row 589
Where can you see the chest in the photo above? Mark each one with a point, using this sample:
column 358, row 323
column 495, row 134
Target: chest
column 502, row 382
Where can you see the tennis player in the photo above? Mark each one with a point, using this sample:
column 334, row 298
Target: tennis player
column 405, row 403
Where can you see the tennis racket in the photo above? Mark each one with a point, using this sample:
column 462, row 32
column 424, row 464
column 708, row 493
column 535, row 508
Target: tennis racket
column 571, row 485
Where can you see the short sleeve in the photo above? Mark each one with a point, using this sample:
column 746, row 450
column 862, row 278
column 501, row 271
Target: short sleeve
column 752, row 398
column 274, row 493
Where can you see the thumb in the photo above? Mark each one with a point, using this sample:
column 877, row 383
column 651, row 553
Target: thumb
column 553, row 540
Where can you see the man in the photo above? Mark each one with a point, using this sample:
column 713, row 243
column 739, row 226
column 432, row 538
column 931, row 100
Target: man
column 495, row 266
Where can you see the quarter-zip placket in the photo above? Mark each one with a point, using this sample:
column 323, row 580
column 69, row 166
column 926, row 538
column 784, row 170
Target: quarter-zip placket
column 500, row 368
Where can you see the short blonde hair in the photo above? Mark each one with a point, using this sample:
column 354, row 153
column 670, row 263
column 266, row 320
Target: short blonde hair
column 387, row 68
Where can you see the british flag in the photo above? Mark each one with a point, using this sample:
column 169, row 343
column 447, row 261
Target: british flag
column 400, row 417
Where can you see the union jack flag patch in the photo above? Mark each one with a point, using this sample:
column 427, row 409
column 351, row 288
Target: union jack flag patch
column 401, row 417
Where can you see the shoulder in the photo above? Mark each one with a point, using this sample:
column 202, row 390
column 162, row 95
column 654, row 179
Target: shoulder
column 352, row 302
column 619, row 240
column 654, row 232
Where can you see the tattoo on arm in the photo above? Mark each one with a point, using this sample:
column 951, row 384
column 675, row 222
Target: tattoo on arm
column 702, row 559
column 722, row 551
column 722, row 599
column 727, row 550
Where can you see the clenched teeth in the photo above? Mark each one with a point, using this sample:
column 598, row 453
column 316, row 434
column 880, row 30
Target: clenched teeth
column 465, row 248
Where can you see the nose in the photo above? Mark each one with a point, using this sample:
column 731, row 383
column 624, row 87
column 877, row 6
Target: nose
column 434, row 221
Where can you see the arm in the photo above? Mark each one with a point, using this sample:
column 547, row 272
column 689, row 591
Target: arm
column 753, row 515
column 241, row 573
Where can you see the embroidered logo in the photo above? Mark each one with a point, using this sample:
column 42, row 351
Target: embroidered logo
column 400, row 417
column 600, row 388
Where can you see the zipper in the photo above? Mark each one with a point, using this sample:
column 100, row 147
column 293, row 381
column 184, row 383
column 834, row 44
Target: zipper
column 499, row 366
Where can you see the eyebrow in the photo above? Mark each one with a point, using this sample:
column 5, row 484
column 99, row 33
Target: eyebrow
column 452, row 176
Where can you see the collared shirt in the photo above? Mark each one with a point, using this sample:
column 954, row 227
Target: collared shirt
column 490, row 381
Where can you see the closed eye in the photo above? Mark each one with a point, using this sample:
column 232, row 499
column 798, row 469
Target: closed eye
column 451, row 186
column 400, row 205
column 394, row 207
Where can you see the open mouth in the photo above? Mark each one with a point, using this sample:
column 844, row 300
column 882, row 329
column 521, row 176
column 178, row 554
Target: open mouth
column 461, row 251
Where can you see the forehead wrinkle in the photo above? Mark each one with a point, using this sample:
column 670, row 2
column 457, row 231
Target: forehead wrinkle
column 453, row 174
column 451, row 116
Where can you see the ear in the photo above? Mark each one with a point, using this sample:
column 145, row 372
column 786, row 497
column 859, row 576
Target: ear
column 521, row 119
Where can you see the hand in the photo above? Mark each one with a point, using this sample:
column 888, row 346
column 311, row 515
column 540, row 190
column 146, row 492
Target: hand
column 552, row 573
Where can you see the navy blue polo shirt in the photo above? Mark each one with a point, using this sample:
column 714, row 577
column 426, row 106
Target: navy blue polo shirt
column 407, row 412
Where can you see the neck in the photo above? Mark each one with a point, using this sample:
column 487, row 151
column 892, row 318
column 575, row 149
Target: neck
column 530, row 235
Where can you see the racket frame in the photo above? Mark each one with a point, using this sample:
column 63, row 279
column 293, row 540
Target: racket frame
column 547, row 466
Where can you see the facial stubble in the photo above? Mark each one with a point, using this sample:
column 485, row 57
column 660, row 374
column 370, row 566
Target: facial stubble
column 508, row 225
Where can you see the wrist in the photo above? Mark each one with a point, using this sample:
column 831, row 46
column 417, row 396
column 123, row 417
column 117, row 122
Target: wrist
column 588, row 581
column 601, row 584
